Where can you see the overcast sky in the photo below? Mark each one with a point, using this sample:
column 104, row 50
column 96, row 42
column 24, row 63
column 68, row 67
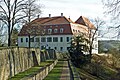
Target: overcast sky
column 76, row 8
column 73, row 8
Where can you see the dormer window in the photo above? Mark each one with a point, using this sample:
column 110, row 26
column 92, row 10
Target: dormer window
column 61, row 30
column 55, row 30
column 49, row 31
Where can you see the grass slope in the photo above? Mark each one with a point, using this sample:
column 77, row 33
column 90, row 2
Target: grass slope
column 31, row 71
column 55, row 74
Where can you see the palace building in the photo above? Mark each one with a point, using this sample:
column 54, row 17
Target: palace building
column 54, row 32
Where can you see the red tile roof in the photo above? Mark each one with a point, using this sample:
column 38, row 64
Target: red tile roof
column 40, row 26
column 85, row 21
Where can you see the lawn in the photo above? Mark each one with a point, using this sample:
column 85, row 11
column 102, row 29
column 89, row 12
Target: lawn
column 55, row 74
column 31, row 71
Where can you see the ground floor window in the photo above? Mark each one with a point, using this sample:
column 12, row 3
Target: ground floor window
column 61, row 48
column 55, row 48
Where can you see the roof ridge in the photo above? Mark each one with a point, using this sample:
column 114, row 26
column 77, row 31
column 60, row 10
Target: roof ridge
column 69, row 20
column 49, row 20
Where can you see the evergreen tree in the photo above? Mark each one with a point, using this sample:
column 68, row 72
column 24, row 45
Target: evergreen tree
column 79, row 46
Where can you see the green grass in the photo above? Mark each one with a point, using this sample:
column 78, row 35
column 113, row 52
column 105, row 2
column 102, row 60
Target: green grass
column 31, row 71
column 107, row 73
column 55, row 74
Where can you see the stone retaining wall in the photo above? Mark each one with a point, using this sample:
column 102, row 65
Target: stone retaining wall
column 15, row 60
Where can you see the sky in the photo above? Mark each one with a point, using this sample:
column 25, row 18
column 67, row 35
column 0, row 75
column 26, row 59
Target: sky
column 76, row 8
column 73, row 8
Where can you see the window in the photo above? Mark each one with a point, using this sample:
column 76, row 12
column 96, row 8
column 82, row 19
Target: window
column 21, row 39
column 49, row 39
column 42, row 47
column 31, row 39
column 61, row 30
column 49, row 31
column 37, row 39
column 61, row 48
column 55, row 39
column 55, row 30
column 73, row 30
column 68, row 48
column 67, row 39
column 55, row 48
column 26, row 39
column 96, row 46
column 43, row 39
column 61, row 39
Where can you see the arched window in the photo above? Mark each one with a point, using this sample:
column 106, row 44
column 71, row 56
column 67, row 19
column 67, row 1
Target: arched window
column 49, row 31
column 55, row 30
column 61, row 30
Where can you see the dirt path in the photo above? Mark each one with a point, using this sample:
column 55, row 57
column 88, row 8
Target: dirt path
column 65, row 72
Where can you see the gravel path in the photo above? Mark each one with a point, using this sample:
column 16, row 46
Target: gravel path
column 65, row 72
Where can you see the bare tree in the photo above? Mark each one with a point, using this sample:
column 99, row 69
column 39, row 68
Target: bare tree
column 3, row 32
column 11, row 13
column 113, row 7
column 93, row 33
column 31, row 10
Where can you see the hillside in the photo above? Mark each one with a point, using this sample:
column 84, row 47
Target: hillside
column 108, row 44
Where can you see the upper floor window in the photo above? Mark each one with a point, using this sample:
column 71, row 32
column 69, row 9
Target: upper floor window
column 31, row 39
column 21, row 39
column 67, row 39
column 55, row 30
column 49, row 31
column 37, row 39
column 61, row 39
column 79, row 31
column 61, row 30
column 43, row 39
column 26, row 39
column 73, row 30
column 55, row 39
column 49, row 39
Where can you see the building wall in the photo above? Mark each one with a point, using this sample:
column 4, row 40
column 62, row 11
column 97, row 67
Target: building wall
column 95, row 44
column 59, row 46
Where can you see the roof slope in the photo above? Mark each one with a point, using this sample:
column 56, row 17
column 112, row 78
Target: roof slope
column 52, row 20
column 37, row 26
column 85, row 21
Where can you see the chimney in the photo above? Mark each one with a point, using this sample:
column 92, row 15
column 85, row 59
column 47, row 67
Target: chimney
column 61, row 14
column 38, row 16
column 69, row 18
column 49, row 15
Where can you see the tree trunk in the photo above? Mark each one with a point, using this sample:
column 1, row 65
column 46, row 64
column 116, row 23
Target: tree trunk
column 90, row 52
column 29, row 40
column 9, row 34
